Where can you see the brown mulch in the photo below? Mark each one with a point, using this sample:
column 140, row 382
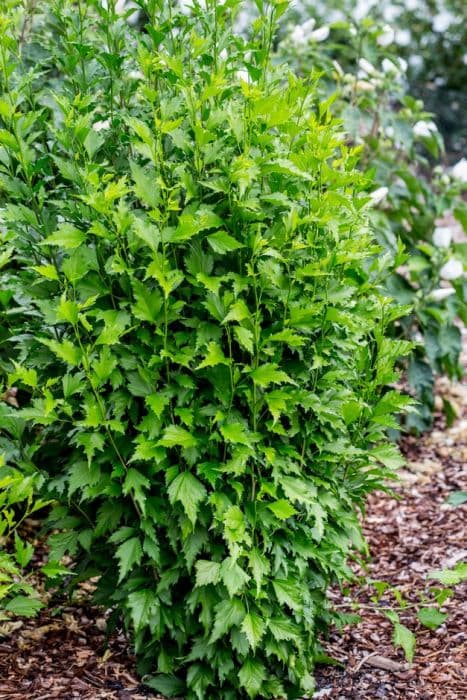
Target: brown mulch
column 63, row 653
column 409, row 538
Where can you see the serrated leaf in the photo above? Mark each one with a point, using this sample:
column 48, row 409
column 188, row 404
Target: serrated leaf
column 23, row 606
column 142, row 604
column 214, row 357
column 405, row 638
column 129, row 554
column 235, row 433
column 222, row 242
column 229, row 613
column 176, row 436
column 251, row 676
column 244, row 338
column 253, row 626
column 233, row 576
column 67, row 236
column 187, row 489
column 136, row 483
column 259, row 566
column 431, row 617
column 282, row 509
column 450, row 577
column 207, row 572
column 65, row 350
column 238, row 312
column 53, row 569
column 282, row 629
column 269, row 374
column 288, row 593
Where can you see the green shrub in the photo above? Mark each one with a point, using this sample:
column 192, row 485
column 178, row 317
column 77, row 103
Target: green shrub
column 200, row 333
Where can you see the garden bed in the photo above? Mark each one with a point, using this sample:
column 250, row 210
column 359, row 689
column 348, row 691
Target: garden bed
column 63, row 653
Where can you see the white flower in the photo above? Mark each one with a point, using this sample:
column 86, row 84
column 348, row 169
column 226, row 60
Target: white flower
column 243, row 75
column 135, row 75
column 364, row 85
column 424, row 129
column 442, row 21
column 367, row 67
column 389, row 131
column 223, row 55
column 403, row 37
column 298, row 36
column 338, row 69
column 452, row 269
column 416, row 62
column 386, row 37
column 403, row 64
column 320, row 34
column 389, row 67
column 442, row 236
column 101, row 125
column 308, row 26
column 459, row 171
column 378, row 195
column 441, row 293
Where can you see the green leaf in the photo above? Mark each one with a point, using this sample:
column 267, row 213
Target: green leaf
column 252, row 676
column 53, row 569
column 235, row 433
column 388, row 455
column 214, row 357
column 67, row 236
column 229, row 613
column 244, row 338
column 142, row 604
column 269, row 374
column 238, row 312
column 253, row 626
column 136, row 483
column 23, row 551
column 207, row 572
column 170, row 686
column 259, row 566
column 431, row 617
column 222, row 242
column 187, row 489
column 403, row 637
column 23, row 606
column 66, row 351
column 283, row 629
column 288, row 593
column 128, row 554
column 191, row 224
column 457, row 498
column 233, row 576
column 450, row 577
column 282, row 509
column 148, row 302
column 176, row 436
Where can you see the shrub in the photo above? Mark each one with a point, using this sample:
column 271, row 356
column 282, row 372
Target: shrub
column 201, row 334
column 402, row 151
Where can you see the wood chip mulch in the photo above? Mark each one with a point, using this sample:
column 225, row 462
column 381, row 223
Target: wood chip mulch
column 63, row 654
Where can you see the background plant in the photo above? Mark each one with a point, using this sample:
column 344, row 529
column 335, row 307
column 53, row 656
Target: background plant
column 401, row 151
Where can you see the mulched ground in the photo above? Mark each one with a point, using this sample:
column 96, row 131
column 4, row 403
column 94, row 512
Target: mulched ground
column 63, row 653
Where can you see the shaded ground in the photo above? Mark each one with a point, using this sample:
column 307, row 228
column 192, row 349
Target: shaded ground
column 63, row 653
column 409, row 538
